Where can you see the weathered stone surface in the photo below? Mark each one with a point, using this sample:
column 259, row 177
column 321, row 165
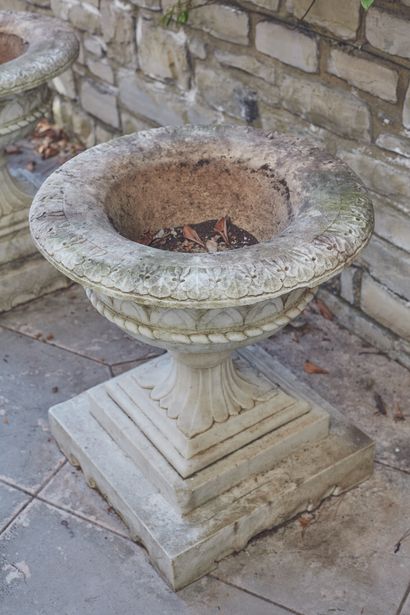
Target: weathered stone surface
column 247, row 63
column 101, row 69
column 11, row 500
column 392, row 221
column 101, row 101
column 340, row 559
column 85, row 16
column 340, row 18
column 272, row 5
column 378, row 175
column 162, row 53
column 388, row 32
column 222, row 21
column 393, row 143
column 118, row 31
column 110, row 574
column 53, row 314
column 406, row 109
column 288, row 46
column 364, row 74
column 130, row 123
column 26, row 457
column 389, row 265
column 330, row 107
column 150, row 99
column 385, row 307
column 225, row 93
column 348, row 284
column 65, row 84
column 94, row 45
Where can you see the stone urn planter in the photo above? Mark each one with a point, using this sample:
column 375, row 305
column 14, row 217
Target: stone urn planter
column 33, row 50
column 207, row 445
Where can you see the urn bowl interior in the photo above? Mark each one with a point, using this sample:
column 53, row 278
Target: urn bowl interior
column 11, row 47
column 195, row 189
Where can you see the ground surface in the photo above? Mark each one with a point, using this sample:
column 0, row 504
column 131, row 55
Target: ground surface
column 63, row 550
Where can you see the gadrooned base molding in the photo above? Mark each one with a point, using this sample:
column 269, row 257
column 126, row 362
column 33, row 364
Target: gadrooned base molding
column 188, row 525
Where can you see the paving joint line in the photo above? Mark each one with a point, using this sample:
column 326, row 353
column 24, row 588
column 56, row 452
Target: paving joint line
column 54, row 345
column 255, row 595
column 387, row 465
column 403, row 601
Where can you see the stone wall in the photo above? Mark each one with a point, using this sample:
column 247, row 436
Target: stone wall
column 340, row 75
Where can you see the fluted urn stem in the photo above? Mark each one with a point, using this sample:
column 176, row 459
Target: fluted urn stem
column 198, row 390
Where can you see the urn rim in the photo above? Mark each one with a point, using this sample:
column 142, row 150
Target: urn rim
column 333, row 223
column 50, row 47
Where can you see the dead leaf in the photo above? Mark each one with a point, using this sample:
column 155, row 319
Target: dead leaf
column 380, row 405
column 31, row 165
column 50, row 336
column 191, row 234
column 6, row 420
column 221, row 227
column 398, row 414
column 312, row 368
column 323, row 309
column 12, row 149
column 54, row 390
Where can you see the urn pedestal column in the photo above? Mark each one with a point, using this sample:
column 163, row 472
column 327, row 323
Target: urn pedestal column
column 211, row 443
column 33, row 49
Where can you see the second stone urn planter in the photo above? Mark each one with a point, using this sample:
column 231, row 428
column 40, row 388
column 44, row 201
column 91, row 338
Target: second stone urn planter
column 33, row 49
column 205, row 446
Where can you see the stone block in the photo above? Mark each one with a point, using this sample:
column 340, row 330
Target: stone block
column 349, row 279
column 226, row 93
column 328, row 107
column 364, row 74
column 388, row 32
column 378, row 175
column 162, row 53
column 393, row 143
column 150, row 99
column 385, row 307
column 271, row 5
column 406, row 109
column 101, row 101
column 130, row 123
column 85, row 17
column 340, row 18
column 392, row 221
column 389, row 265
column 101, row 69
column 197, row 47
column 118, row 31
column 65, row 84
column 222, row 21
column 288, row 46
column 248, row 64
column 94, row 45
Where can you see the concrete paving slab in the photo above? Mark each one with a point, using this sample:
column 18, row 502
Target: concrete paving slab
column 11, row 502
column 33, row 377
column 69, row 490
column 68, row 320
column 357, row 374
column 340, row 559
column 52, row 562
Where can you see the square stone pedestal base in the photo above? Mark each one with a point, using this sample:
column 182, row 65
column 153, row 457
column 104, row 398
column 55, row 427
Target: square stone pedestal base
column 317, row 462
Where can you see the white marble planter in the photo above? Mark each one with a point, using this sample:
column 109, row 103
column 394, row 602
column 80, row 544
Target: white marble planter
column 201, row 427
column 33, row 49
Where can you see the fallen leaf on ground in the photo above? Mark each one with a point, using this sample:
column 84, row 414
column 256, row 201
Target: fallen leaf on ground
column 31, row 165
column 191, row 234
column 50, row 336
column 312, row 368
column 6, row 420
column 398, row 414
column 323, row 309
column 13, row 149
column 380, row 405
column 221, row 227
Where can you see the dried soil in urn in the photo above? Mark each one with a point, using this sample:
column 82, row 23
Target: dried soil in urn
column 208, row 236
